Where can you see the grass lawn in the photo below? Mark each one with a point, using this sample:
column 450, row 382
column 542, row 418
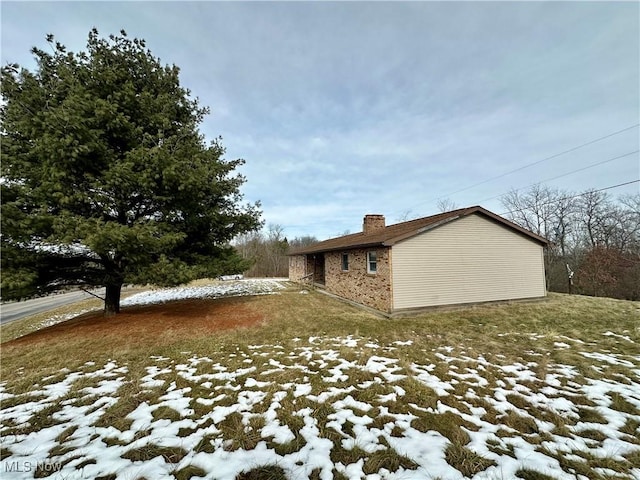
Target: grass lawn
column 296, row 385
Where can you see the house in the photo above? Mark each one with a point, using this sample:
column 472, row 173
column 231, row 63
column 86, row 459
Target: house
column 465, row 256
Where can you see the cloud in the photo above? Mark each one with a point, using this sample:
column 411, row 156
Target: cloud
column 344, row 108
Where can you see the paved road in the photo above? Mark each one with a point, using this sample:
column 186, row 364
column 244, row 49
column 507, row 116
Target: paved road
column 16, row 310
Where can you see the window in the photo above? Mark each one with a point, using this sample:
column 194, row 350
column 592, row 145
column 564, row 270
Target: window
column 345, row 262
column 372, row 262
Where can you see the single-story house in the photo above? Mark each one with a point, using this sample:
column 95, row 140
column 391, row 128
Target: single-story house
column 470, row 255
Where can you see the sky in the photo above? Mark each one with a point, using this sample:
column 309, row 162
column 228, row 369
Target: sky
column 346, row 108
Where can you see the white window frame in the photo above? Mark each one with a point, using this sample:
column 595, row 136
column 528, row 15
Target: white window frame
column 342, row 262
column 375, row 262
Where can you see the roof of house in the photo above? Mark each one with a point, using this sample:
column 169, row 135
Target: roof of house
column 392, row 234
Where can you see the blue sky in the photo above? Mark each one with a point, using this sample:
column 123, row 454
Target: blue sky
column 347, row 108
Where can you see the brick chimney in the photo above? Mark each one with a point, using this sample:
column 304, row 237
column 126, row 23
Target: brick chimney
column 372, row 223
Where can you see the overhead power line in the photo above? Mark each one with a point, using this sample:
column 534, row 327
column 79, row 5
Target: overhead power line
column 537, row 162
column 575, row 196
column 563, row 175
column 545, row 159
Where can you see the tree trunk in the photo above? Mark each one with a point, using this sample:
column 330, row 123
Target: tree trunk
column 112, row 299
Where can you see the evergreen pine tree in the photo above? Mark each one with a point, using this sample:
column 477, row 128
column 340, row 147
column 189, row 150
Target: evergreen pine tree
column 106, row 179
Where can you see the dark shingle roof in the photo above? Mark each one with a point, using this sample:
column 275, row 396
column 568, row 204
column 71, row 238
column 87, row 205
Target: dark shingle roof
column 401, row 231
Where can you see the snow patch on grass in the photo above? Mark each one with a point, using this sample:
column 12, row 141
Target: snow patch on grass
column 226, row 289
column 467, row 417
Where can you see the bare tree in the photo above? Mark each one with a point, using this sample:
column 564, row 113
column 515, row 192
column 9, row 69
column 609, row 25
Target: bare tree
column 564, row 219
column 249, row 244
column 404, row 216
column 593, row 209
column 597, row 236
column 536, row 209
column 446, row 205
column 276, row 251
column 627, row 234
column 304, row 241
column 268, row 250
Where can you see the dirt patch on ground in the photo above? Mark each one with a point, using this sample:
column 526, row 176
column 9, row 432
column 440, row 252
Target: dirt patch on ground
column 184, row 318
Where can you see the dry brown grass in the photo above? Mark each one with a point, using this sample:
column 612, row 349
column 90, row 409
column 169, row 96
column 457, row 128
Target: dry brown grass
column 150, row 325
column 200, row 326
column 170, row 454
column 466, row 461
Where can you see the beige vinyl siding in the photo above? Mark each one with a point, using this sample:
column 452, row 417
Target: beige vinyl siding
column 472, row 259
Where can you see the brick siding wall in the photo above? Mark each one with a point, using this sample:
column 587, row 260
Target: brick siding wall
column 297, row 267
column 372, row 290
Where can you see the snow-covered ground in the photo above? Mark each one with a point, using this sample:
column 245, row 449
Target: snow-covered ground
column 234, row 288
column 337, row 373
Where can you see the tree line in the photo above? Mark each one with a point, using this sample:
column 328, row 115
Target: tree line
column 595, row 238
column 266, row 251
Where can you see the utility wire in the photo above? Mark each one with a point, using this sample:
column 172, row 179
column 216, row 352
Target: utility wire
column 563, row 175
column 532, row 164
column 575, row 196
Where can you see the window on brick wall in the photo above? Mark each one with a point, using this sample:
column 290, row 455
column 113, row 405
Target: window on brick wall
column 372, row 262
column 345, row 262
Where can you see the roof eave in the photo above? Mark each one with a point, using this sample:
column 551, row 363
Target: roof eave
column 470, row 211
column 514, row 226
column 458, row 214
column 336, row 249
